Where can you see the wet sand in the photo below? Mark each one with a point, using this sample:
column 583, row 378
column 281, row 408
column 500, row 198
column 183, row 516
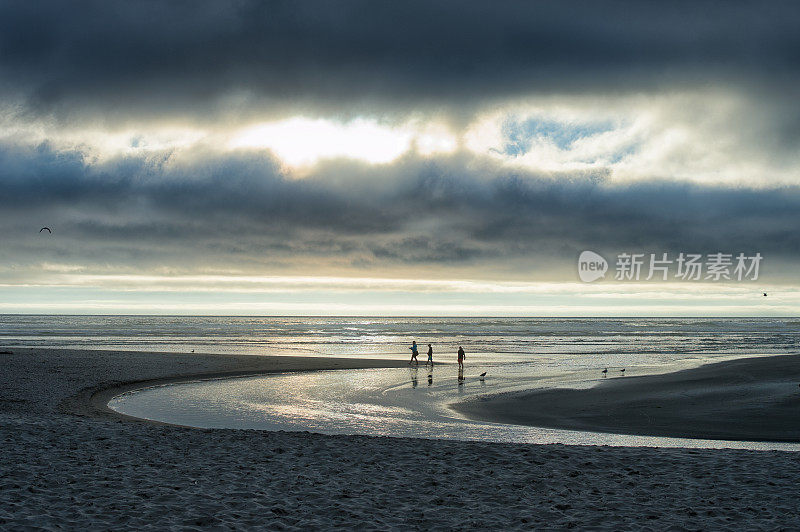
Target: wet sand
column 752, row 399
column 66, row 463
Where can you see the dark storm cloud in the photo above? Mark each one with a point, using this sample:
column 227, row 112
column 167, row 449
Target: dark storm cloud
column 239, row 211
column 185, row 57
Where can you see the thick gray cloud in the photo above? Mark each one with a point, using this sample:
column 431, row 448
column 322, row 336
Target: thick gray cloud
column 240, row 212
column 119, row 59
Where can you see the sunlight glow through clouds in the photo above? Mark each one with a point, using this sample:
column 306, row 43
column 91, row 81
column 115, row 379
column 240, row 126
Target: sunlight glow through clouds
column 303, row 142
column 697, row 137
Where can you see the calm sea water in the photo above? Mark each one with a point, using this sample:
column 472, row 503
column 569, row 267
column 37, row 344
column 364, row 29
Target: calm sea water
column 488, row 340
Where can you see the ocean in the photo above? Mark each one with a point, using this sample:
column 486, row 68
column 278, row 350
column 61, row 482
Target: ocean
column 627, row 341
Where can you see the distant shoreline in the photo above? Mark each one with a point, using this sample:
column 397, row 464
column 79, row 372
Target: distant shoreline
column 749, row 399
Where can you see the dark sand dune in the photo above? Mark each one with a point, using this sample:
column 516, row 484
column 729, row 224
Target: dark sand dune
column 747, row 399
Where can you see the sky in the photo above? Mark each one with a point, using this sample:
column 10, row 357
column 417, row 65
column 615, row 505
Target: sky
column 397, row 158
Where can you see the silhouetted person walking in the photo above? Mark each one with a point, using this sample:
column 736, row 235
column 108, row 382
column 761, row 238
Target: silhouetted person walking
column 430, row 355
column 414, row 352
column 460, row 357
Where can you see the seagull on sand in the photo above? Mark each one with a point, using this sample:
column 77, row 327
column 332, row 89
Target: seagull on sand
column 483, row 375
column 765, row 294
column 604, row 371
column 622, row 370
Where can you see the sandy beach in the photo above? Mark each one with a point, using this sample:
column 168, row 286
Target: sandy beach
column 756, row 399
column 69, row 463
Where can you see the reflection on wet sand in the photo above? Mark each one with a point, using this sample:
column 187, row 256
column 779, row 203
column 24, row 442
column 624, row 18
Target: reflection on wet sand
column 375, row 402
